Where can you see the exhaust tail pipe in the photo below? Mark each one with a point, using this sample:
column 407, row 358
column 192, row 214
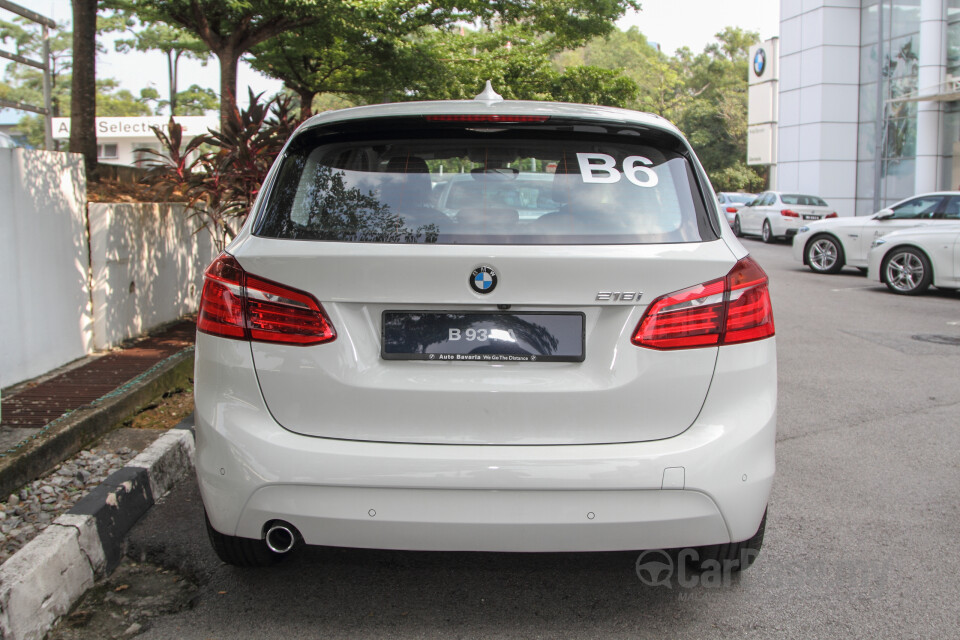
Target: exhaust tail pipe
column 281, row 537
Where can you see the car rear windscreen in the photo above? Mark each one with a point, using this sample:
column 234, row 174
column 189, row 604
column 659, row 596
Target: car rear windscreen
column 802, row 200
column 484, row 186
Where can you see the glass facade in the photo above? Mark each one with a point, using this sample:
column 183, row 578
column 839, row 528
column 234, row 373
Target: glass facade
column 889, row 69
column 950, row 176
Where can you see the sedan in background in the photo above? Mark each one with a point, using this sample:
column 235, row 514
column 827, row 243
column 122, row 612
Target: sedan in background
column 909, row 261
column 828, row 245
column 731, row 202
column 775, row 215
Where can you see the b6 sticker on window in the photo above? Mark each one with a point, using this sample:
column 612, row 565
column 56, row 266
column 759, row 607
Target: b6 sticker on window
column 602, row 168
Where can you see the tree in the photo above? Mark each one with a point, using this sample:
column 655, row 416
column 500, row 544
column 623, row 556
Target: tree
column 316, row 60
column 114, row 101
column 83, row 105
column 195, row 101
column 228, row 29
column 366, row 48
column 660, row 83
column 715, row 118
column 25, row 84
column 173, row 43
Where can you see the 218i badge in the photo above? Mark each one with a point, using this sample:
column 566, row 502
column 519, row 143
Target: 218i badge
column 483, row 279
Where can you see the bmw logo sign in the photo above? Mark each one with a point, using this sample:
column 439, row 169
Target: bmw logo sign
column 759, row 62
column 483, row 279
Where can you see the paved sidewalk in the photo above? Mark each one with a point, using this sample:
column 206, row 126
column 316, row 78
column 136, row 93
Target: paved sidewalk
column 49, row 419
column 31, row 406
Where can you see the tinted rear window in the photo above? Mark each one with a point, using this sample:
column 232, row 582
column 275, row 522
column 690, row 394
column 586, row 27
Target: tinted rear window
column 485, row 186
column 801, row 200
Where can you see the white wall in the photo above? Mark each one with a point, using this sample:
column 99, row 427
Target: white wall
column 819, row 84
column 45, row 318
column 66, row 292
column 147, row 266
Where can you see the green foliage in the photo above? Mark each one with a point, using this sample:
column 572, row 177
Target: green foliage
column 25, row 84
column 195, row 101
column 220, row 173
column 704, row 94
column 660, row 80
column 175, row 44
column 161, row 37
column 739, row 177
column 715, row 117
column 114, row 101
column 392, row 50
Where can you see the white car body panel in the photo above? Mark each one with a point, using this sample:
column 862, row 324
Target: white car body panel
column 245, row 460
column 940, row 243
column 625, row 393
column 858, row 233
column 631, row 449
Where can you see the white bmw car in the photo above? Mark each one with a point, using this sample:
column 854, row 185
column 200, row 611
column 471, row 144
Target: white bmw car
column 909, row 261
column 829, row 245
column 374, row 372
column 774, row 215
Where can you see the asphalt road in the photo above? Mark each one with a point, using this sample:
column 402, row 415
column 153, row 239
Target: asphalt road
column 861, row 539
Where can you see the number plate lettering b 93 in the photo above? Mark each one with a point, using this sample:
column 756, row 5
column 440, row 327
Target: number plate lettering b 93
column 484, row 337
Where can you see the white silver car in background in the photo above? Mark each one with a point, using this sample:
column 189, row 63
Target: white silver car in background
column 775, row 216
column 909, row 261
column 596, row 374
column 732, row 201
column 829, row 245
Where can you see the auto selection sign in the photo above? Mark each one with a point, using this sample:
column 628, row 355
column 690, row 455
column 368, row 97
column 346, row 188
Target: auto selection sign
column 138, row 127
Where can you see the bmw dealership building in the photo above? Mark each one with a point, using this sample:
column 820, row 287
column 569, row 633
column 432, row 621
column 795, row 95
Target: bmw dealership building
column 864, row 97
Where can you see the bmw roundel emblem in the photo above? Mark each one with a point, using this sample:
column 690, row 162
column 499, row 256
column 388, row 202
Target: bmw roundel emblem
column 483, row 279
column 759, row 62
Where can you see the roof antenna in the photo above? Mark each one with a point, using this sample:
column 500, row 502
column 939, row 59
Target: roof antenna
column 489, row 95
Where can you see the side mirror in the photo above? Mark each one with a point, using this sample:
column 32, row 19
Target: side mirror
column 884, row 214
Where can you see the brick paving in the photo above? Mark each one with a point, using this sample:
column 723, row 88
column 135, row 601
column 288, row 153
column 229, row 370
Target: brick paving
column 35, row 406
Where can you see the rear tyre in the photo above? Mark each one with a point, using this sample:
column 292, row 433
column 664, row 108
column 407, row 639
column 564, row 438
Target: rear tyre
column 735, row 555
column 240, row 552
column 824, row 254
column 736, row 227
column 907, row 271
column 767, row 233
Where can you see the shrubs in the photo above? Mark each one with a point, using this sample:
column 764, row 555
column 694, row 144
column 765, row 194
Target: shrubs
column 219, row 173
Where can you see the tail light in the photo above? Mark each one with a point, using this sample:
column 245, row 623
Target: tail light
column 728, row 310
column 831, row 215
column 787, row 213
column 731, row 209
column 238, row 305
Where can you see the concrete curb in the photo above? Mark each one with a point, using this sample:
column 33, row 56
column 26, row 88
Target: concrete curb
column 70, row 433
column 40, row 583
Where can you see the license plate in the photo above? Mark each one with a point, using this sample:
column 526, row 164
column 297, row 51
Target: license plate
column 482, row 337
column 811, row 217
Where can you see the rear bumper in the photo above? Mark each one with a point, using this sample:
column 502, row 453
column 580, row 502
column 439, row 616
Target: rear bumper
column 707, row 485
column 784, row 227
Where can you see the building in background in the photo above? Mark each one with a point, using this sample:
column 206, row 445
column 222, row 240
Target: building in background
column 118, row 139
column 869, row 98
column 763, row 110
